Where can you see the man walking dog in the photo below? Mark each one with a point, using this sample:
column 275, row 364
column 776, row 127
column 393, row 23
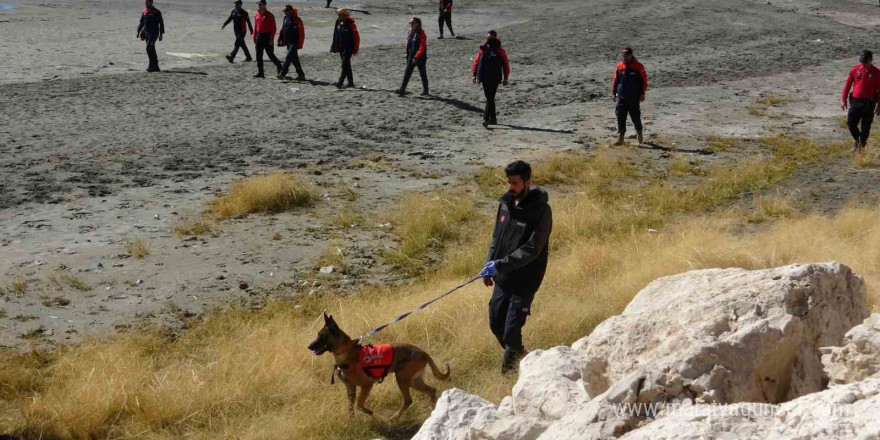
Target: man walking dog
column 628, row 89
column 862, row 89
column 517, row 259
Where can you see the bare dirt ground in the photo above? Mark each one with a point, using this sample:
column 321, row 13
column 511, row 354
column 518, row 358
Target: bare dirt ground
column 94, row 154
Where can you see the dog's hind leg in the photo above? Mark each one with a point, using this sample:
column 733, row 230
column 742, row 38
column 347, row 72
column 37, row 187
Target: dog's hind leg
column 362, row 398
column 403, row 384
column 418, row 383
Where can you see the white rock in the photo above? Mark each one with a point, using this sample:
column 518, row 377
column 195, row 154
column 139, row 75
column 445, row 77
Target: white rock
column 452, row 417
column 549, row 385
column 859, row 356
column 327, row 269
column 842, row 413
column 728, row 335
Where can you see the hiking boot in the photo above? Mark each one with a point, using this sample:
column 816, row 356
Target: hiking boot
column 510, row 363
column 247, row 60
column 440, row 37
column 300, row 78
column 485, row 124
column 855, row 147
column 259, row 75
column 399, row 92
column 619, row 139
column 229, row 58
column 338, row 85
column 349, row 86
column 284, row 77
column 639, row 135
column 425, row 93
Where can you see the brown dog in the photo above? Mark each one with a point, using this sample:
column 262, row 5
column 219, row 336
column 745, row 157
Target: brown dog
column 408, row 365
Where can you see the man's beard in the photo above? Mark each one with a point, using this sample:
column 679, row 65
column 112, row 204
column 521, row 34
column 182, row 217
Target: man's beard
column 517, row 195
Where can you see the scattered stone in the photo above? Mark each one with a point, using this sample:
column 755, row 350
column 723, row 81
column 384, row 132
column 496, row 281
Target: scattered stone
column 243, row 286
column 139, row 282
column 859, row 356
column 327, row 269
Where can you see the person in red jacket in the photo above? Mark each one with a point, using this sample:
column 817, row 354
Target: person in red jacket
column 491, row 68
column 346, row 42
column 416, row 55
column 264, row 33
column 862, row 89
column 445, row 17
column 292, row 35
column 150, row 29
column 628, row 89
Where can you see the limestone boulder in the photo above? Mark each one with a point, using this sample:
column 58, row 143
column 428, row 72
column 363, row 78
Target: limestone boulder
column 549, row 385
column 727, row 335
column 859, row 356
column 843, row 412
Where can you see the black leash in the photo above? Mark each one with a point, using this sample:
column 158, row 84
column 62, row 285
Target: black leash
column 420, row 307
column 372, row 332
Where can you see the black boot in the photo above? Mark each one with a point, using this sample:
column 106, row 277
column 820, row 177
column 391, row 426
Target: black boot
column 510, row 363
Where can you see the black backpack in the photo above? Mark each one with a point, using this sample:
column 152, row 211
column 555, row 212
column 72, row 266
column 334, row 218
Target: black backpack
column 491, row 66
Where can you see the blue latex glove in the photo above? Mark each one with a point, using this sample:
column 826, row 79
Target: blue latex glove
column 489, row 270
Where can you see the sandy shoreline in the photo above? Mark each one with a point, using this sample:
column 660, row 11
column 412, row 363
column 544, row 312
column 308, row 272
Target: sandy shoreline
column 90, row 160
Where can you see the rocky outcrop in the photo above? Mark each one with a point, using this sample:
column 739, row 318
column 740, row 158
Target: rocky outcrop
column 728, row 335
column 549, row 385
column 710, row 339
column 859, row 356
column 840, row 413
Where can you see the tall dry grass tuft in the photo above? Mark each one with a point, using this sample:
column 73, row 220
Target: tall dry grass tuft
column 270, row 193
column 137, row 248
column 424, row 222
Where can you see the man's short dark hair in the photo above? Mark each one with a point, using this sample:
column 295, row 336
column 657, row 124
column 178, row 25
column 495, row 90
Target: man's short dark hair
column 519, row 168
column 866, row 55
column 493, row 33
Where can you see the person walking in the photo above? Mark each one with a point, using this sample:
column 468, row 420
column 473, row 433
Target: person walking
column 862, row 89
column 490, row 69
column 292, row 35
column 416, row 55
column 346, row 42
column 241, row 24
column 517, row 259
column 445, row 17
column 264, row 34
column 150, row 29
column 628, row 88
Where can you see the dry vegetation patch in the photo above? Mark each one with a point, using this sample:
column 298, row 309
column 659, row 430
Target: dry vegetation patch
column 266, row 194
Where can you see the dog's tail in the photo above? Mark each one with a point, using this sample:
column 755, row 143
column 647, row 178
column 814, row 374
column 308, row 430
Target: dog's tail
column 436, row 371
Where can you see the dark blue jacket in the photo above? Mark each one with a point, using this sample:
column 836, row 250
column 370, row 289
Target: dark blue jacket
column 151, row 22
column 630, row 80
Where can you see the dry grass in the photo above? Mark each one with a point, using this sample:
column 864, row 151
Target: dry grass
column 334, row 256
column 760, row 107
column 17, row 287
column 681, row 166
column 63, row 278
column 424, row 222
column 194, row 226
column 347, row 218
column 138, row 248
column 248, row 374
column 866, row 160
column 718, row 144
column 270, row 193
column 770, row 207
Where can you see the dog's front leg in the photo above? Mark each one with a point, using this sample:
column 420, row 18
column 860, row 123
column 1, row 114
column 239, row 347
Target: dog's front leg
column 351, row 390
column 362, row 398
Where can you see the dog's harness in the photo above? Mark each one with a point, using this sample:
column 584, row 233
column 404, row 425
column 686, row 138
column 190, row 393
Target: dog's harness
column 376, row 361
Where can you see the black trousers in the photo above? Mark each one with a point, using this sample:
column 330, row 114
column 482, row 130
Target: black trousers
column 240, row 44
column 410, row 66
column 151, row 51
column 861, row 112
column 292, row 58
column 490, row 88
column 445, row 17
column 264, row 43
column 345, row 57
column 628, row 106
column 507, row 316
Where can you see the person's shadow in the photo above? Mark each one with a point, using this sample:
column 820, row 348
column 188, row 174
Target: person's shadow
column 523, row 128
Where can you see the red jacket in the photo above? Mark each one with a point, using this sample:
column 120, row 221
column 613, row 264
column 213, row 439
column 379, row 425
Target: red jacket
column 865, row 83
column 630, row 80
column 500, row 52
column 421, row 46
column 264, row 23
column 445, row 5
